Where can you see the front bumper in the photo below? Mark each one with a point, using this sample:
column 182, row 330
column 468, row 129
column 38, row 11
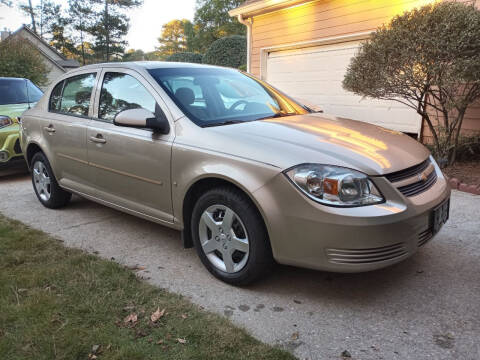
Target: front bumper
column 307, row 234
column 10, row 144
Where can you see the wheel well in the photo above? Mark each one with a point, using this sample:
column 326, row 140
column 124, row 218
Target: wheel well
column 193, row 194
column 32, row 149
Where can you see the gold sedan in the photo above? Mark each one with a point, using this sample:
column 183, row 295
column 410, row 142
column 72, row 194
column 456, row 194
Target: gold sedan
column 248, row 174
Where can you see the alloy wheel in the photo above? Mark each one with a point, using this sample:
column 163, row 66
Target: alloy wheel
column 42, row 180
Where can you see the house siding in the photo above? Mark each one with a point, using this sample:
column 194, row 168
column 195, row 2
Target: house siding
column 321, row 19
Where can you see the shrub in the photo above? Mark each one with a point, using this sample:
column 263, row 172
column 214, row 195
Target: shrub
column 427, row 59
column 188, row 57
column 18, row 58
column 230, row 51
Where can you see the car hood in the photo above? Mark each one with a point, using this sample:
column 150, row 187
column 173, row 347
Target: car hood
column 13, row 110
column 318, row 138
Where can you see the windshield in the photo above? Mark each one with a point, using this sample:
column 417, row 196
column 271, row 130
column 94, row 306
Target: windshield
column 18, row 91
column 216, row 96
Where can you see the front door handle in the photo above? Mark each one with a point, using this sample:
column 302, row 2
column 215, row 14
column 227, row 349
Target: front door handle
column 98, row 139
column 50, row 129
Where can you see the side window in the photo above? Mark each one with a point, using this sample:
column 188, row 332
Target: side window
column 56, row 97
column 76, row 94
column 122, row 92
column 34, row 93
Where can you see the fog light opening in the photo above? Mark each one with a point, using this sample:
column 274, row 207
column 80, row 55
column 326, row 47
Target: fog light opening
column 3, row 156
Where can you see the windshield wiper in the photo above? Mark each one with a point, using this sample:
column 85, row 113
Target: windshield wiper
column 221, row 123
column 277, row 115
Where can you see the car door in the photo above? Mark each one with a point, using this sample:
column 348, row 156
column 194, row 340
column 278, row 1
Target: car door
column 131, row 167
column 65, row 129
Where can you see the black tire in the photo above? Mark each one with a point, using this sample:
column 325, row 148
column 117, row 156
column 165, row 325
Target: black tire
column 260, row 259
column 58, row 197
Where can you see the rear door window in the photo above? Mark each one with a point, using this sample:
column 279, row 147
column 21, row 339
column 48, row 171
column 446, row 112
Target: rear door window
column 76, row 95
column 56, row 97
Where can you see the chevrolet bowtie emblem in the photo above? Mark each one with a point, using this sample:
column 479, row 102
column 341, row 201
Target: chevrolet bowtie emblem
column 422, row 177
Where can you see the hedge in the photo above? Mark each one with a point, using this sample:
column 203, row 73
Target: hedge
column 230, row 51
column 186, row 57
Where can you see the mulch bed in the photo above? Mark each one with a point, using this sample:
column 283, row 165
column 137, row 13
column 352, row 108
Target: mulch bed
column 464, row 176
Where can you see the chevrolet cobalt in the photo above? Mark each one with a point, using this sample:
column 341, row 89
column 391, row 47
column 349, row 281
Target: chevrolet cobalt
column 249, row 175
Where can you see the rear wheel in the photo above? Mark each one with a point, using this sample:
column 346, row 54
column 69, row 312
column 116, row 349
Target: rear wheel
column 45, row 185
column 230, row 237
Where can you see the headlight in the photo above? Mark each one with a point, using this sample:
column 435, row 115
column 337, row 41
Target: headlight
column 5, row 121
column 335, row 186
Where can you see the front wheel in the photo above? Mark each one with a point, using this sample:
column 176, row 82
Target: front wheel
column 230, row 236
column 45, row 185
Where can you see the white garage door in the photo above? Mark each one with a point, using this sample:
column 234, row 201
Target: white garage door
column 315, row 74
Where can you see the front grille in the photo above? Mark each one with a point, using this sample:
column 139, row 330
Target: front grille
column 365, row 256
column 419, row 186
column 418, row 183
column 17, row 148
column 408, row 172
column 424, row 237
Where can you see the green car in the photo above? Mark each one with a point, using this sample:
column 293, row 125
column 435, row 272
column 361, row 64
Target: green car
column 16, row 96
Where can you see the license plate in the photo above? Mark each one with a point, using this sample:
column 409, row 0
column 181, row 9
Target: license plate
column 440, row 215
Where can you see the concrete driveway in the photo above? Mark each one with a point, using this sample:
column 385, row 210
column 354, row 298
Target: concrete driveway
column 427, row 307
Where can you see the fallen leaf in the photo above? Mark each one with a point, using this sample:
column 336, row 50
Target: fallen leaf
column 184, row 316
column 136, row 267
column 182, row 341
column 346, row 354
column 160, row 342
column 295, row 336
column 132, row 318
column 95, row 349
column 157, row 315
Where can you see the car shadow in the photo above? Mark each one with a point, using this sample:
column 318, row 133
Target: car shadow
column 14, row 172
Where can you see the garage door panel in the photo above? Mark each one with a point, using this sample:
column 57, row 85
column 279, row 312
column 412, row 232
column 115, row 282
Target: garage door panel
column 316, row 73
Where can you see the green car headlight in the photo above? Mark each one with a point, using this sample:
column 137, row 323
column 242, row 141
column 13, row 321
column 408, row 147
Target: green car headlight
column 334, row 185
column 5, row 121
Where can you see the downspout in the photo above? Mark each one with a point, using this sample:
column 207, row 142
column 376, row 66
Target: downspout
column 248, row 23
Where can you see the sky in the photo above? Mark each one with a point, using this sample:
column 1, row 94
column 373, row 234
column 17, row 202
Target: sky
column 145, row 22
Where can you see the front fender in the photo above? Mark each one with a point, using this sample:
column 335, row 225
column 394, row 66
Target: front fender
column 190, row 165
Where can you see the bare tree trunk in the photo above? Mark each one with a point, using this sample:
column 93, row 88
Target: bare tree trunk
column 453, row 153
column 32, row 16
column 107, row 32
column 82, row 47
column 423, row 112
column 41, row 19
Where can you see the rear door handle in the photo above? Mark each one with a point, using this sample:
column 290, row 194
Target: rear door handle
column 98, row 139
column 50, row 129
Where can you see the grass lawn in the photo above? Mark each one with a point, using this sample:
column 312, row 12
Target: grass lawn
column 61, row 303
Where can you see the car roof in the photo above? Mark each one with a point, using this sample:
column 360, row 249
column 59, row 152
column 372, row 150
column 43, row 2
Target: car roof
column 146, row 65
column 12, row 78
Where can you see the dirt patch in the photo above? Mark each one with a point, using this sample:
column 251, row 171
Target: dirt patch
column 466, row 172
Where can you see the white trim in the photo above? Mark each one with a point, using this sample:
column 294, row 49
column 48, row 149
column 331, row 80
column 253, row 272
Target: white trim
column 258, row 7
column 304, row 44
column 248, row 23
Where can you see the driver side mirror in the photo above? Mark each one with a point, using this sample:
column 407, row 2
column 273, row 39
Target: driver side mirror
column 141, row 119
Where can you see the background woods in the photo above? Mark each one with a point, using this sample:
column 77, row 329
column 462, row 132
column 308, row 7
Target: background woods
column 93, row 31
